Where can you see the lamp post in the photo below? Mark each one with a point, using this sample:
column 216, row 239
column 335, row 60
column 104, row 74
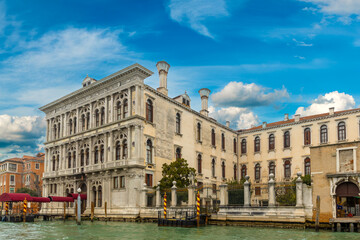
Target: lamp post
column 79, row 207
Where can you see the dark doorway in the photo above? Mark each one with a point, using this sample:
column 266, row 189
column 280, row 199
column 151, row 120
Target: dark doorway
column 347, row 200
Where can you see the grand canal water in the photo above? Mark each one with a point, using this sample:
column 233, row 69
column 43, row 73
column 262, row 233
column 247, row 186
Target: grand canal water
column 117, row 230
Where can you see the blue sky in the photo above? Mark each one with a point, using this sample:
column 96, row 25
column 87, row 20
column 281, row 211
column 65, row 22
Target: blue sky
column 260, row 58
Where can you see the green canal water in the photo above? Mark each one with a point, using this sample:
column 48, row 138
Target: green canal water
column 118, row 230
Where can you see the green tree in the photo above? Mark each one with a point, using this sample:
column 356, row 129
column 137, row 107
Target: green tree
column 178, row 171
column 31, row 192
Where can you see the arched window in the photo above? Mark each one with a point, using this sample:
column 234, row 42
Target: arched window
column 243, row 171
column 307, row 136
column 55, row 131
column 75, row 122
column 97, row 118
column 69, row 160
column 94, row 195
column 235, row 146
column 102, row 153
column 178, row 153
column 87, row 156
column 178, row 123
column 87, row 121
column 149, row 110
column 257, row 144
column 149, row 151
column 341, row 131
column 235, row 172
column 213, row 167
column 96, row 155
column 323, row 134
column 126, row 108
column 118, row 110
column 271, row 142
column 198, row 137
column 213, row 137
column 286, row 139
column 102, row 116
column 307, row 165
column 70, row 126
column 54, row 163
column 257, row 172
column 199, row 163
column 117, row 151
column 243, row 146
column 272, row 168
column 125, row 149
column 82, row 158
column 223, row 169
column 74, row 159
column 83, row 122
column 223, row 141
column 99, row 196
column 59, row 130
column 287, row 169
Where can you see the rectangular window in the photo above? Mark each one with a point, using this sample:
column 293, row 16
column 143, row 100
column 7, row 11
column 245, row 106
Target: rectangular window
column 214, row 188
column 116, row 182
column 122, row 182
column 55, row 185
column 12, row 167
column 149, row 180
column 12, row 180
column 12, row 190
column 37, row 166
column 257, row 191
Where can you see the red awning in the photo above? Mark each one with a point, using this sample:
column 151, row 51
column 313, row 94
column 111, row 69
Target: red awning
column 75, row 196
column 15, row 197
column 61, row 199
column 40, row 199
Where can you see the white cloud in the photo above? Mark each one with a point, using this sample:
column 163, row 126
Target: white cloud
column 299, row 57
column 340, row 101
column 193, row 13
column 240, row 94
column 302, row 44
column 240, row 118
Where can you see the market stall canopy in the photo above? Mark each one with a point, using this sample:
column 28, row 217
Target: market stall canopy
column 61, row 199
column 40, row 199
column 15, row 197
column 75, row 196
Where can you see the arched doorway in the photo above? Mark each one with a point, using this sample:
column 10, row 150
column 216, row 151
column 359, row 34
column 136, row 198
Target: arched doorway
column 347, row 200
column 83, row 188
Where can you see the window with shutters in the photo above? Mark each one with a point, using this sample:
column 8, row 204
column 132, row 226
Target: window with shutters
column 307, row 136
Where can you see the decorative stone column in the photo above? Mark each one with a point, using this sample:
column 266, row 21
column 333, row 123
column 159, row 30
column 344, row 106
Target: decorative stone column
column 143, row 196
column 271, row 190
column 173, row 195
column 158, row 196
column 223, row 194
column 191, row 195
column 247, row 194
column 299, row 198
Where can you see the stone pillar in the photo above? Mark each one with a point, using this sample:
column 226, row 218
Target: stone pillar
column 143, row 196
column 106, row 148
column 158, row 196
column 137, row 101
column 47, row 130
column 173, row 195
column 191, row 195
column 223, row 194
column 299, row 198
column 129, row 139
column 111, row 145
column 271, row 190
column 247, row 194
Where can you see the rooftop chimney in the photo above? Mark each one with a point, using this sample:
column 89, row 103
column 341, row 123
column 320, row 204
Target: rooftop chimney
column 286, row 117
column 297, row 117
column 163, row 68
column 228, row 123
column 331, row 111
column 264, row 125
column 204, row 94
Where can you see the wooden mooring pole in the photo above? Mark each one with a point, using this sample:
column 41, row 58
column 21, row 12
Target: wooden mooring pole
column 92, row 212
column 25, row 208
column 317, row 213
column 198, row 209
column 64, row 211
column 105, row 211
column 76, row 212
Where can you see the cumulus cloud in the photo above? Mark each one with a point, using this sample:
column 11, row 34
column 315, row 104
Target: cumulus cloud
column 193, row 13
column 240, row 94
column 345, row 10
column 21, row 135
column 340, row 101
column 240, row 118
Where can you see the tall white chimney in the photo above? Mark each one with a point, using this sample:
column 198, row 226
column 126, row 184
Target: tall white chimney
column 228, row 123
column 297, row 117
column 331, row 111
column 163, row 68
column 286, row 117
column 204, row 94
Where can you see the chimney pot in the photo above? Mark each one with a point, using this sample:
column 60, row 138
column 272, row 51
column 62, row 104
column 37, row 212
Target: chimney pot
column 331, row 111
column 204, row 94
column 228, row 123
column 286, row 117
column 264, row 125
column 297, row 117
column 163, row 69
